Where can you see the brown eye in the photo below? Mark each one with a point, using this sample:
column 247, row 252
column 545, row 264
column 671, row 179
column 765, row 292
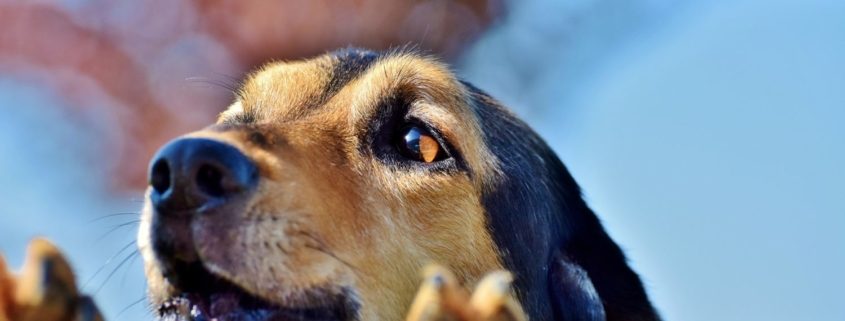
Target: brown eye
column 418, row 144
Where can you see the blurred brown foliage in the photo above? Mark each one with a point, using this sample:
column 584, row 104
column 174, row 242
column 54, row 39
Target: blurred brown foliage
column 138, row 57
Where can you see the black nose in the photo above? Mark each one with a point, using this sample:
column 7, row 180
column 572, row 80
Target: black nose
column 191, row 174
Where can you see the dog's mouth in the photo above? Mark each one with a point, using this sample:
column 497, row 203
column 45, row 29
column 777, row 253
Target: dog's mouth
column 203, row 296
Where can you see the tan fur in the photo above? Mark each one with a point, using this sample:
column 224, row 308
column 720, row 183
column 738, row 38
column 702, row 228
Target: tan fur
column 44, row 290
column 326, row 214
column 442, row 298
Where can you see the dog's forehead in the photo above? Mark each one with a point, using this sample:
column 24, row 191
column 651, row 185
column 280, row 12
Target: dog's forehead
column 288, row 90
column 347, row 91
column 353, row 80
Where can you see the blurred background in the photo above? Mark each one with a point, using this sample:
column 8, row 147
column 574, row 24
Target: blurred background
column 707, row 135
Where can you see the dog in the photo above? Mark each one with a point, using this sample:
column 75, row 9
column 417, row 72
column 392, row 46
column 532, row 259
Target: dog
column 329, row 183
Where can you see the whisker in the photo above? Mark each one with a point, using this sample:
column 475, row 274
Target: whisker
column 322, row 248
column 113, row 215
column 115, row 228
column 116, row 268
column 128, row 268
column 107, row 263
column 144, row 297
column 219, row 83
column 231, row 78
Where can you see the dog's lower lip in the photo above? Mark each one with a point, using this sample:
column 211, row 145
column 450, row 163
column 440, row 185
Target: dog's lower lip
column 206, row 296
column 228, row 306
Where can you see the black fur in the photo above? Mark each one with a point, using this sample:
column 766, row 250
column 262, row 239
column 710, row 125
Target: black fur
column 537, row 216
column 548, row 236
column 572, row 287
column 351, row 63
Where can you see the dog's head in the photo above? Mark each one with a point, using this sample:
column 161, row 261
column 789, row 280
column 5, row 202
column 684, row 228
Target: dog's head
column 329, row 183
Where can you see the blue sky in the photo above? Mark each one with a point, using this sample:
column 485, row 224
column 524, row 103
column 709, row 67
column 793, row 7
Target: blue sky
column 711, row 142
column 708, row 135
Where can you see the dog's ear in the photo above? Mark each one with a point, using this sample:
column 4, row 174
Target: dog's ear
column 575, row 298
column 537, row 216
column 532, row 206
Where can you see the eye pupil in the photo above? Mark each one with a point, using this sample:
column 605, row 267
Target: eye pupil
column 412, row 139
column 419, row 145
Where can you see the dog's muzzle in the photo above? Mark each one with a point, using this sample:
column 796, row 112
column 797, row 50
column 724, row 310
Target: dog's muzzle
column 193, row 177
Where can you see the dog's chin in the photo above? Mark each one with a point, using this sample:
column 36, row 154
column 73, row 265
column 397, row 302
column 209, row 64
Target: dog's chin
column 202, row 296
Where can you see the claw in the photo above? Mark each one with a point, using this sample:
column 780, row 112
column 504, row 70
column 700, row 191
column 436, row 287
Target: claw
column 438, row 289
column 442, row 298
column 493, row 298
column 492, row 292
column 45, row 289
column 6, row 290
column 45, row 277
column 87, row 310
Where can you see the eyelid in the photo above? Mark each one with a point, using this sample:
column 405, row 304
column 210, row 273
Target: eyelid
column 435, row 118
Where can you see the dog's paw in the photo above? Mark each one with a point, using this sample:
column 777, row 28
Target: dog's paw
column 44, row 290
column 441, row 298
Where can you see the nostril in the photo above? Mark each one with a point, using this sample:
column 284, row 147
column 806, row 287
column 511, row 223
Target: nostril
column 160, row 176
column 210, row 181
column 197, row 174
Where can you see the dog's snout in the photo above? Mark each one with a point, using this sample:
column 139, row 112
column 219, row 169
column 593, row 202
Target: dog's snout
column 189, row 174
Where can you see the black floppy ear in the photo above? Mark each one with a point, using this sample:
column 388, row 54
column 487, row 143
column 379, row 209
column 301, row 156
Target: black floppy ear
column 547, row 235
column 573, row 295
